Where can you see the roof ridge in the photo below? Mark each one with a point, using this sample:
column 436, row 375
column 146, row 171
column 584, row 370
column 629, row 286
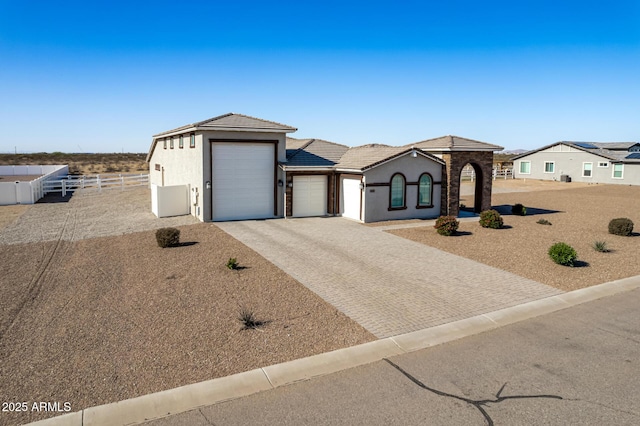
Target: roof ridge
column 259, row 119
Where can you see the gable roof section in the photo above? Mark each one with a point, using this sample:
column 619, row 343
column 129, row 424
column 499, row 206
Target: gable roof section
column 229, row 122
column 455, row 143
column 314, row 153
column 366, row 157
column 619, row 153
column 233, row 122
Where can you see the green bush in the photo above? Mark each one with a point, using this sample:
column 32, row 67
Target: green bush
column 447, row 225
column 563, row 254
column 544, row 222
column 621, row 226
column 491, row 219
column 168, row 237
column 232, row 263
column 519, row 210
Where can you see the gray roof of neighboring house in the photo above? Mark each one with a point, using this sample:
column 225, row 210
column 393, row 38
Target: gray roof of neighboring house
column 367, row 156
column 617, row 146
column 618, row 151
column 232, row 121
column 313, row 153
column 454, row 143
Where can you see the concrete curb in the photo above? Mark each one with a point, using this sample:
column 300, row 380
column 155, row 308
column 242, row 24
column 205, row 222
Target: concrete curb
column 186, row 398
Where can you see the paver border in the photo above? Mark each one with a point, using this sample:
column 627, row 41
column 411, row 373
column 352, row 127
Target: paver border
column 185, row 398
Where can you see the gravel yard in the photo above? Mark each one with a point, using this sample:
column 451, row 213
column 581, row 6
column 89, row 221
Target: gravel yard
column 579, row 215
column 97, row 320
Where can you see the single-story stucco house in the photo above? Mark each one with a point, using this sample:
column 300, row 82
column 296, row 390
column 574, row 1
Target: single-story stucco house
column 236, row 167
column 596, row 162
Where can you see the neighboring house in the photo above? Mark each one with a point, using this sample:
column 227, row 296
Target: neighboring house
column 235, row 167
column 597, row 162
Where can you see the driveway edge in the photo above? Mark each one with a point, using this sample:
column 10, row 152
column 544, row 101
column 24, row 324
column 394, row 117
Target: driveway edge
column 189, row 397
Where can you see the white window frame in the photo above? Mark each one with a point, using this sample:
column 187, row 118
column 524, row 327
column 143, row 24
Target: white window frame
column 613, row 174
column 553, row 166
column 590, row 170
column 520, row 168
column 603, row 164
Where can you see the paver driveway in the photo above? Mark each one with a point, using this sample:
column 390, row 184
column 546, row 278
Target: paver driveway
column 387, row 284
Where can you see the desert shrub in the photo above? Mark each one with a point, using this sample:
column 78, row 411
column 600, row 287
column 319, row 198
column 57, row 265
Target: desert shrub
column 248, row 319
column 168, row 237
column 621, row 226
column 232, row 263
column 600, row 246
column 563, row 254
column 491, row 219
column 447, row 225
column 519, row 210
column 544, row 222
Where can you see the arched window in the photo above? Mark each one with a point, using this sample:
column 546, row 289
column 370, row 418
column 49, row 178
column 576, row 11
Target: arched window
column 397, row 193
column 425, row 191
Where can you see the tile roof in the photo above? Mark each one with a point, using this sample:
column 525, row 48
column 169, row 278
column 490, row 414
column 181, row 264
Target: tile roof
column 314, row 152
column 233, row 121
column 455, row 143
column 367, row 156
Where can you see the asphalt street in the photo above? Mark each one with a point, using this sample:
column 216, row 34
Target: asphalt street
column 576, row 366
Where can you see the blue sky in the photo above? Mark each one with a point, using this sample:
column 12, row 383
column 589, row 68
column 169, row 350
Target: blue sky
column 104, row 76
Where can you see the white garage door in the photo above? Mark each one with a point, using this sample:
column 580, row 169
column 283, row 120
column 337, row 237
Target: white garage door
column 351, row 197
column 309, row 196
column 242, row 181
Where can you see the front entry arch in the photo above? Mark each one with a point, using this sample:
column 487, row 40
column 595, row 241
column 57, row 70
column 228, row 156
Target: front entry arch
column 482, row 163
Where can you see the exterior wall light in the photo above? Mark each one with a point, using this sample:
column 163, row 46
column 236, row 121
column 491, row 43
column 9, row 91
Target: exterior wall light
column 280, row 183
column 208, row 184
column 290, row 185
column 361, row 186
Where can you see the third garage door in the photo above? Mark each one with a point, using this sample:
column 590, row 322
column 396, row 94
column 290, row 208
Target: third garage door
column 309, row 196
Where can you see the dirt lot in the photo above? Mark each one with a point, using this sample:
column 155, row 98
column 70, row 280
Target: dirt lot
column 579, row 216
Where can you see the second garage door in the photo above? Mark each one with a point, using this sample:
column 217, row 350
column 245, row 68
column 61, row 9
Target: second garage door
column 309, row 196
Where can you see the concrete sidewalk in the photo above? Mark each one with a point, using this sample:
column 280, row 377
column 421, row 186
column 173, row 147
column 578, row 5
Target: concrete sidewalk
column 386, row 283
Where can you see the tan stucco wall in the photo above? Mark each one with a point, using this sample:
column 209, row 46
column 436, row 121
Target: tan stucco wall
column 376, row 198
column 181, row 167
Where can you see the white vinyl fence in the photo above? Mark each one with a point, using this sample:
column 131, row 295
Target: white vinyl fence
column 27, row 192
column 470, row 174
column 95, row 182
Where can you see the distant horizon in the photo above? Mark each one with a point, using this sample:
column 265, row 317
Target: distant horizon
column 97, row 78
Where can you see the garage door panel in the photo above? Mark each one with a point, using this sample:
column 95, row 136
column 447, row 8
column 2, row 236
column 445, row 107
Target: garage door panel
column 309, row 196
column 243, row 180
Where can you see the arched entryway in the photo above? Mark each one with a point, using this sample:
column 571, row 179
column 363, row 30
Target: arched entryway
column 482, row 163
column 470, row 182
